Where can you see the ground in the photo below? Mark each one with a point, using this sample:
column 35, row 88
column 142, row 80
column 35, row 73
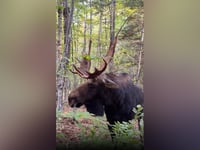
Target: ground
column 76, row 128
column 68, row 129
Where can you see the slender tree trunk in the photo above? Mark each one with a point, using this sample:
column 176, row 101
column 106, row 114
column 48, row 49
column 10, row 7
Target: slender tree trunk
column 90, row 41
column 76, row 42
column 99, row 34
column 112, row 20
column 140, row 56
column 90, row 19
column 85, row 31
column 68, row 31
column 59, row 33
column 66, row 17
column 74, row 49
column 112, row 27
column 60, row 11
column 106, row 33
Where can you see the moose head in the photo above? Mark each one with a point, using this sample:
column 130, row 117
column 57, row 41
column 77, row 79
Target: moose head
column 90, row 92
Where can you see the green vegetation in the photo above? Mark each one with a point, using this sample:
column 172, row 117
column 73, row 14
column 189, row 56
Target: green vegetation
column 92, row 132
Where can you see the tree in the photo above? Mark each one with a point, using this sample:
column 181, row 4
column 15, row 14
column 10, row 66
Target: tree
column 112, row 27
column 62, row 79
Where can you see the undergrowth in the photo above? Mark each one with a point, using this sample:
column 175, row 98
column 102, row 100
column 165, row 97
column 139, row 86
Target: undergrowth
column 97, row 136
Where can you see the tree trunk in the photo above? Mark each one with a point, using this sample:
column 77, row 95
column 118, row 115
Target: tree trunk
column 68, row 31
column 59, row 33
column 140, row 56
column 85, row 29
column 60, row 11
column 90, row 19
column 99, row 34
column 112, row 28
column 66, row 17
column 67, row 47
column 62, row 81
column 106, row 34
column 112, row 20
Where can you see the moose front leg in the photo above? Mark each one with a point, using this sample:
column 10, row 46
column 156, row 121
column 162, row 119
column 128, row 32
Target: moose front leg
column 112, row 134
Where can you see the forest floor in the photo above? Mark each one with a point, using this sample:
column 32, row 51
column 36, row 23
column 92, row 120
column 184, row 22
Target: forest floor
column 70, row 128
column 75, row 128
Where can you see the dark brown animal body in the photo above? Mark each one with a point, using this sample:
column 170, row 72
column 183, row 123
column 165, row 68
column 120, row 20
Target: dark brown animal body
column 114, row 94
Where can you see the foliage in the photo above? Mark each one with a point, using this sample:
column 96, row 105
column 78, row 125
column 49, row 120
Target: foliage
column 126, row 135
column 125, row 132
column 76, row 115
column 96, row 133
column 58, row 115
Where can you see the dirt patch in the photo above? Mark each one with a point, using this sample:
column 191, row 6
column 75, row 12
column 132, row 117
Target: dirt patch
column 69, row 130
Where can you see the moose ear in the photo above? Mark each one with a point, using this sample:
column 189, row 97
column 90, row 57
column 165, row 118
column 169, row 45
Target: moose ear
column 109, row 83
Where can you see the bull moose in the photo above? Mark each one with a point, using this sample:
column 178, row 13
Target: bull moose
column 112, row 93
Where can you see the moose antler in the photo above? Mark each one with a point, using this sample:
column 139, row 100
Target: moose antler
column 86, row 74
column 83, row 70
column 85, row 64
column 111, row 50
column 112, row 46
